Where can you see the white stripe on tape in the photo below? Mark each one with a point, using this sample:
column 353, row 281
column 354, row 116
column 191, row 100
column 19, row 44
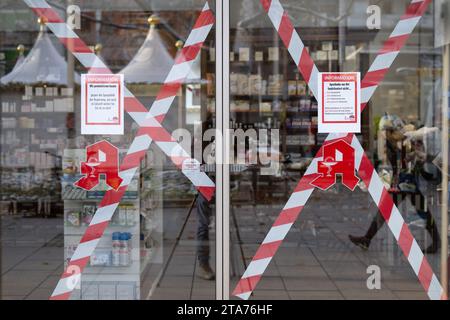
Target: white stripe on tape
column 435, row 289
column 375, row 188
column 256, row 267
column 206, row 7
column 313, row 81
column 61, row 30
column 395, row 222
column 198, row 35
column 415, row 257
column 144, row 119
column 128, row 93
column 335, row 136
column 67, row 284
column 140, row 143
column 199, row 179
column 89, row 60
column 168, row 147
column 277, row 233
column 405, row 26
column 37, row 4
column 104, row 214
column 298, row 199
column 275, row 13
column 84, row 249
column 127, row 176
column 244, row 296
column 296, row 47
column 383, row 61
column 312, row 168
column 161, row 106
column 359, row 151
column 179, row 71
column 366, row 93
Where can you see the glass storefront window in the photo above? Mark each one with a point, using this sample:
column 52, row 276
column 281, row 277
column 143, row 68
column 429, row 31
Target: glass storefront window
column 210, row 193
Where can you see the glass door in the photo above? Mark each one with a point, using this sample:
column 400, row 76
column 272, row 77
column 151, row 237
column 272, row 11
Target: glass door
column 88, row 212
column 289, row 238
column 206, row 186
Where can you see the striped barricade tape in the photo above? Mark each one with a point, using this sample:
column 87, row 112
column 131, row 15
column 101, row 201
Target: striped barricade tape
column 150, row 130
column 366, row 171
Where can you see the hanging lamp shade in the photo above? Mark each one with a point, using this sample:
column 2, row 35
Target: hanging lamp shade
column 152, row 62
column 42, row 64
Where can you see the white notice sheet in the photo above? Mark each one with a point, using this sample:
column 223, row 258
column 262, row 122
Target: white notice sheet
column 102, row 104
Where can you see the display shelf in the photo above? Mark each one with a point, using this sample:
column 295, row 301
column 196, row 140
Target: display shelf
column 127, row 219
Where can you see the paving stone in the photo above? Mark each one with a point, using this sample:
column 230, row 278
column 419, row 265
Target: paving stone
column 315, row 295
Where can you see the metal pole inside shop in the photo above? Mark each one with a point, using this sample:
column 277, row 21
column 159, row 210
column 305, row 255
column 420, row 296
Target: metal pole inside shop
column 444, row 207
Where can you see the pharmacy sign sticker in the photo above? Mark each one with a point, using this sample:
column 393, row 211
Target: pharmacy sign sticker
column 339, row 102
column 102, row 104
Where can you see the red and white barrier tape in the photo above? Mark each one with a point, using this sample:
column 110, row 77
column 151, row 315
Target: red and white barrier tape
column 150, row 130
column 365, row 168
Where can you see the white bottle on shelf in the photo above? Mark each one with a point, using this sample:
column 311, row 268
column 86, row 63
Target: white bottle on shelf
column 116, row 249
column 124, row 250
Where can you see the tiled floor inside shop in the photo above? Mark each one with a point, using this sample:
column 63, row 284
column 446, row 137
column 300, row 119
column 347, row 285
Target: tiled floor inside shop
column 316, row 260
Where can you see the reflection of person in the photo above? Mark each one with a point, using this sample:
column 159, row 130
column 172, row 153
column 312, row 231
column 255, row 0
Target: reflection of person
column 394, row 135
column 204, row 214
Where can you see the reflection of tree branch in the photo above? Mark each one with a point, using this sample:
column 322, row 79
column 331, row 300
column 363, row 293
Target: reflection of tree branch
column 312, row 12
column 143, row 6
column 321, row 15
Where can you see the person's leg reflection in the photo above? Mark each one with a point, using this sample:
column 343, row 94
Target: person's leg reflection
column 204, row 213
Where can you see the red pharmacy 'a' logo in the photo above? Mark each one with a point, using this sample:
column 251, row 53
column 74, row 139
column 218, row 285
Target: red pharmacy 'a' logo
column 338, row 158
column 101, row 158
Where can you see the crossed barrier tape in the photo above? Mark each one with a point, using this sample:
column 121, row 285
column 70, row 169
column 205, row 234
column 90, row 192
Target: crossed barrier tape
column 363, row 165
column 150, row 130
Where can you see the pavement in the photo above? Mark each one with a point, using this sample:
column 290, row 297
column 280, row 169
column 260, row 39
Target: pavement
column 316, row 260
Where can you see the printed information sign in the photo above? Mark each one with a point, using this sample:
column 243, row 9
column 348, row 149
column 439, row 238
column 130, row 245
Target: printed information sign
column 339, row 102
column 102, row 102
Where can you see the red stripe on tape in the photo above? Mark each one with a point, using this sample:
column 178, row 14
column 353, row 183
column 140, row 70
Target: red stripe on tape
column 306, row 65
column 416, row 9
column 133, row 105
column 366, row 170
column 160, row 118
column 287, row 216
column 425, row 274
column 94, row 231
column 246, row 285
column 305, row 182
column 405, row 240
column 206, row 17
column 363, row 106
column 64, row 296
column 100, row 71
column 386, row 204
column 75, row 45
column 169, row 89
column 267, row 250
column 75, row 267
column 112, row 196
column 207, row 192
column 132, row 160
column 48, row 14
column 266, row 4
column 156, row 133
column 373, row 78
column 188, row 53
column 394, row 44
column 285, row 30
